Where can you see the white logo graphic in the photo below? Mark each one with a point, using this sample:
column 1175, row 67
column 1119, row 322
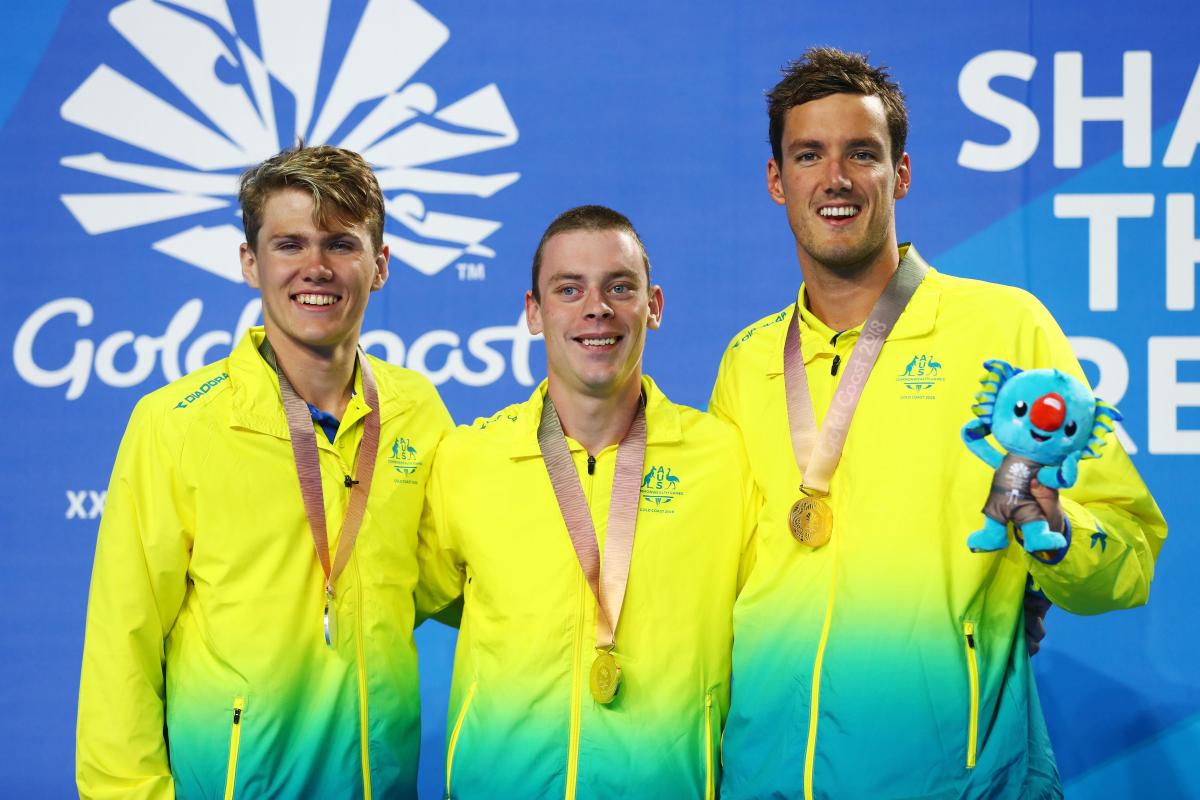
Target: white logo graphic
column 438, row 354
column 243, row 105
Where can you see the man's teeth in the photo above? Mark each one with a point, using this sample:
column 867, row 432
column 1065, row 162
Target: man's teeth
column 839, row 211
column 317, row 299
column 599, row 342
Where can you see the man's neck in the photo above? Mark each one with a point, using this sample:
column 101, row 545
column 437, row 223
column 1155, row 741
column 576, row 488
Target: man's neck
column 843, row 300
column 323, row 377
column 596, row 422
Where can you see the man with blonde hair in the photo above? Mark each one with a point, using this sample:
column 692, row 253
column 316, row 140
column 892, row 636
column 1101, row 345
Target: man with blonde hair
column 249, row 628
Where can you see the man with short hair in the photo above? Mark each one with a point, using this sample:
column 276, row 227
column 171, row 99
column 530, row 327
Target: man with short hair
column 875, row 655
column 600, row 534
column 249, row 628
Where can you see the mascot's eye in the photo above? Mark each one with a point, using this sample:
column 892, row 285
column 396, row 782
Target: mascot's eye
column 1020, row 408
column 1070, row 429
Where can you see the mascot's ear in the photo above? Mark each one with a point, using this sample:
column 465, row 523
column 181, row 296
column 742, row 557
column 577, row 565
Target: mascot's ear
column 1001, row 369
column 985, row 400
column 1106, row 417
column 985, row 403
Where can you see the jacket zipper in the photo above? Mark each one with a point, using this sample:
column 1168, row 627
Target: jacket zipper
column 235, row 738
column 810, row 750
column 362, row 683
column 576, row 702
column 458, row 723
column 973, row 677
column 577, row 667
column 710, row 784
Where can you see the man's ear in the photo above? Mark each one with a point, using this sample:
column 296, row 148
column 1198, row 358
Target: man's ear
column 903, row 177
column 656, row 308
column 775, row 182
column 382, row 259
column 533, row 314
column 249, row 265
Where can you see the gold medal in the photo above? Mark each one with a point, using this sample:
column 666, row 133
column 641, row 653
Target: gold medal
column 605, row 678
column 811, row 521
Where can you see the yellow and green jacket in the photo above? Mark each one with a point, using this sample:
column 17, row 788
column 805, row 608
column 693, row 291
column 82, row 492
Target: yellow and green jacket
column 205, row 669
column 522, row 723
column 890, row 663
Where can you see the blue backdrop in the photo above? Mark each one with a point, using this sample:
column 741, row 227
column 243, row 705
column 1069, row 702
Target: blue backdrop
column 125, row 125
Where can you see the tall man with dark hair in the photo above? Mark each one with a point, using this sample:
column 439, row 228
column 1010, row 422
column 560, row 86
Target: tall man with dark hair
column 875, row 655
column 249, row 629
column 600, row 533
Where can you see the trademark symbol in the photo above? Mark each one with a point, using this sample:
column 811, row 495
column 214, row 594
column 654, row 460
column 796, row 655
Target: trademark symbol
column 471, row 271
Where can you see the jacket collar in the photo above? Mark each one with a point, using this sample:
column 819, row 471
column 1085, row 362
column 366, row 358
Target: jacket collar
column 258, row 405
column 662, row 420
column 917, row 320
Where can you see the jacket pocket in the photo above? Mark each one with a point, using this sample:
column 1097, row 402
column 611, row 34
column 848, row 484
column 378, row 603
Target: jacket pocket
column 710, row 766
column 973, row 683
column 458, row 725
column 235, row 738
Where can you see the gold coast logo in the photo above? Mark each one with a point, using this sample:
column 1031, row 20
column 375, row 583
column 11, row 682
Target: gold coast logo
column 404, row 460
column 920, row 377
column 660, row 487
column 238, row 92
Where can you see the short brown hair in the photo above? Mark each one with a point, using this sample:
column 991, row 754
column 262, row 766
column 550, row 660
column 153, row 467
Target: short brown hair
column 823, row 71
column 343, row 188
column 586, row 218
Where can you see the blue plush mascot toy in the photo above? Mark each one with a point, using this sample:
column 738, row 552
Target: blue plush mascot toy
column 1047, row 421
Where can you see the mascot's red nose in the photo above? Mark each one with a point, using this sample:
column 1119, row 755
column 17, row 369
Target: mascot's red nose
column 1048, row 412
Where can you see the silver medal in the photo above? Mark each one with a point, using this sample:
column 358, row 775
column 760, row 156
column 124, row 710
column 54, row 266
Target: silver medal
column 330, row 621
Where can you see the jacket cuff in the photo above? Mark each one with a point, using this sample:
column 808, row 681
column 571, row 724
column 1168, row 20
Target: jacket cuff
column 1052, row 557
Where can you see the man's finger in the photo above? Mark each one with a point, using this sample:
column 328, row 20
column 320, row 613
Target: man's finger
column 1047, row 500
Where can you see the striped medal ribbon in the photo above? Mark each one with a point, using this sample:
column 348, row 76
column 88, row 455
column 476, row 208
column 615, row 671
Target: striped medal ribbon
column 818, row 452
column 308, row 470
column 607, row 584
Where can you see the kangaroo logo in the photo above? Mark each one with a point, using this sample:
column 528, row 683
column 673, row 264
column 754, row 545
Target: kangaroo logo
column 403, row 460
column 920, row 375
column 660, row 486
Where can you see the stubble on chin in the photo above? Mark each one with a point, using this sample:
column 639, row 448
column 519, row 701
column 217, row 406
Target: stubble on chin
column 848, row 259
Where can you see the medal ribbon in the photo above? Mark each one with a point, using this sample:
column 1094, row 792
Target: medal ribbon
column 608, row 585
column 308, row 470
column 817, row 452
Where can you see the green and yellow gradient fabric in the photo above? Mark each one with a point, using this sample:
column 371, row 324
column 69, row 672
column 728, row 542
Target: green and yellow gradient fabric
column 522, row 722
column 891, row 662
column 205, row 614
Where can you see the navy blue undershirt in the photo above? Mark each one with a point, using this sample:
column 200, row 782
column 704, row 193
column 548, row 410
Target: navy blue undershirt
column 328, row 422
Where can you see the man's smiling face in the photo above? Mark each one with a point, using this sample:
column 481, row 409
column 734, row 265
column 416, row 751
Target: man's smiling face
column 838, row 182
column 314, row 283
column 596, row 304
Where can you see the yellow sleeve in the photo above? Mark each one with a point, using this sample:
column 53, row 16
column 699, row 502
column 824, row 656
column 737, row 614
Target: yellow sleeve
column 139, row 580
column 1117, row 531
column 1116, row 527
column 723, row 405
column 724, row 394
column 442, row 573
column 752, row 505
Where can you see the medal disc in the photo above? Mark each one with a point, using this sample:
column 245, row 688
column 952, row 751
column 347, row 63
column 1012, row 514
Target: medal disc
column 811, row 521
column 605, row 678
column 330, row 623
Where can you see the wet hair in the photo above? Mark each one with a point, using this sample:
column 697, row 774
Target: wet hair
column 586, row 218
column 343, row 188
column 823, row 71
